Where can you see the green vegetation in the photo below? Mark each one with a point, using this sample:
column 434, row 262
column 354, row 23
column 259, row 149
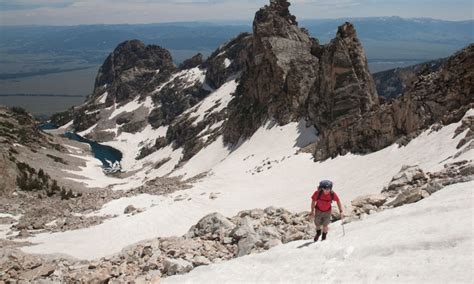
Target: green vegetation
column 38, row 181
column 19, row 110
column 57, row 159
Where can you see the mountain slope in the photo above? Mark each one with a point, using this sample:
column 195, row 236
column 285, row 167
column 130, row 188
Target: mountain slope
column 258, row 174
column 429, row 241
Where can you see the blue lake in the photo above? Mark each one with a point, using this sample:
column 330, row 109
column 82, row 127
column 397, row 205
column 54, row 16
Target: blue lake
column 48, row 126
column 106, row 154
column 109, row 156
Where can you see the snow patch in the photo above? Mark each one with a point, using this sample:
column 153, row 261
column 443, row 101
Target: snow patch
column 87, row 131
column 205, row 160
column 133, row 106
column 67, row 125
column 227, row 63
column 214, row 102
column 117, row 207
column 189, row 76
column 102, row 98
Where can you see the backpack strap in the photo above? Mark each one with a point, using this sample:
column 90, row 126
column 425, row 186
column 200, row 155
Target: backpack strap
column 321, row 192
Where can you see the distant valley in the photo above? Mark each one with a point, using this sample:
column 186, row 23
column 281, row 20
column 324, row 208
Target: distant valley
column 65, row 60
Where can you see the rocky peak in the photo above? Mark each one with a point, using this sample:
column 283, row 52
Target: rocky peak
column 346, row 31
column 129, row 68
column 276, row 8
column 346, row 88
column 288, row 75
column 442, row 96
column 131, row 71
column 132, row 54
column 192, row 62
column 275, row 20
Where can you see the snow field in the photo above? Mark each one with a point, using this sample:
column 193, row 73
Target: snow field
column 244, row 180
column 426, row 242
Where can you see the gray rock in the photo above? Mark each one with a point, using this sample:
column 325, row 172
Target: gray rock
column 432, row 187
column 247, row 244
column 212, row 223
column 467, row 170
column 372, row 199
column 101, row 276
column 407, row 175
column 200, row 260
column 41, row 271
column 407, row 197
column 176, row 266
column 129, row 209
column 268, row 232
column 272, row 243
column 270, row 211
column 243, row 230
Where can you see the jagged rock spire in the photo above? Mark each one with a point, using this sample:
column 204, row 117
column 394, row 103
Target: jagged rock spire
column 289, row 76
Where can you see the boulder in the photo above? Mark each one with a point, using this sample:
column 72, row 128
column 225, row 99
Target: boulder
column 176, row 266
column 247, row 244
column 210, row 224
column 407, row 175
column 102, row 276
column 129, row 209
column 42, row 271
column 372, row 199
column 407, row 196
column 200, row 260
column 432, row 187
column 272, row 243
column 243, row 230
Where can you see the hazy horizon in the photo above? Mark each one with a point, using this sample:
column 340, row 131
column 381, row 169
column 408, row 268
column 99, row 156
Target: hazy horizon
column 237, row 22
column 89, row 12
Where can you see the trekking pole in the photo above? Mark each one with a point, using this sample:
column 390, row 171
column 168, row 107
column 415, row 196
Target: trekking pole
column 342, row 224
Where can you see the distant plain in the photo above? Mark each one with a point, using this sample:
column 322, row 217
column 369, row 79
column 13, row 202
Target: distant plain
column 36, row 60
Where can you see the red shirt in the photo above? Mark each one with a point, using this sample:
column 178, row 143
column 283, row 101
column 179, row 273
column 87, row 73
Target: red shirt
column 324, row 202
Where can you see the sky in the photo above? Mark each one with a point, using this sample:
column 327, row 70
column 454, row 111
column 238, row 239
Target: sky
column 74, row 12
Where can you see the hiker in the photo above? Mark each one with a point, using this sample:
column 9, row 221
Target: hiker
column 321, row 208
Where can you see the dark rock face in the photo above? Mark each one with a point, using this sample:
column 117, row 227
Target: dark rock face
column 174, row 98
column 227, row 60
column 131, row 71
column 346, row 88
column 283, row 75
column 393, row 83
column 443, row 96
column 192, row 62
column 131, row 66
column 287, row 75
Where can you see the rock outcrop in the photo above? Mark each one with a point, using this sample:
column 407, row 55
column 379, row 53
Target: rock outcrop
column 393, row 83
column 411, row 185
column 440, row 97
column 130, row 67
column 214, row 238
column 131, row 71
column 18, row 129
column 288, row 75
column 283, row 75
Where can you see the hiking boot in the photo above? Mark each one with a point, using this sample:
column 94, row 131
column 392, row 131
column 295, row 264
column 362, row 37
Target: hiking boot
column 324, row 236
column 318, row 233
